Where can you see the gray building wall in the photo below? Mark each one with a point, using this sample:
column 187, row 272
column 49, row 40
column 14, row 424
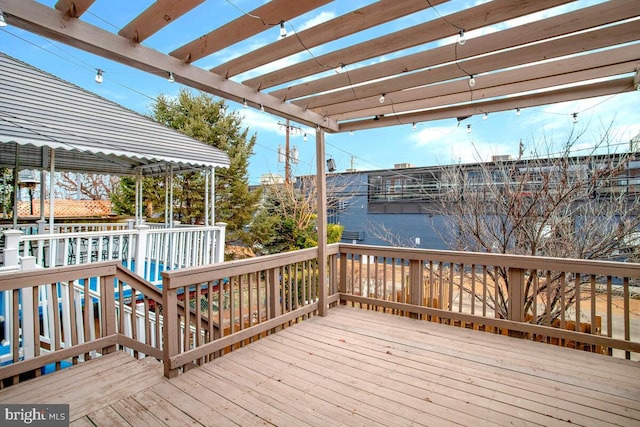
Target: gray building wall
column 413, row 228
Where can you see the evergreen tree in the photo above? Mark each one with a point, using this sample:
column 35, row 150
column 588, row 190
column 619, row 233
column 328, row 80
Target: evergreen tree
column 199, row 116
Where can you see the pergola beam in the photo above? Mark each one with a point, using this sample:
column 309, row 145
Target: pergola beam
column 481, row 94
column 610, row 87
column 52, row 24
column 74, row 8
column 554, row 48
column 583, row 19
column 476, row 17
column 554, row 73
column 247, row 25
column 341, row 26
column 156, row 17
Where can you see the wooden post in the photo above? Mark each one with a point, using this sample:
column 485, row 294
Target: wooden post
column 416, row 287
column 515, row 306
column 170, row 329
column 342, row 285
column 321, row 187
column 274, row 297
column 108, row 308
column 27, row 327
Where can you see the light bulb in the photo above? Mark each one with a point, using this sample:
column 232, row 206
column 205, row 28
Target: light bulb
column 461, row 38
column 171, row 78
column 262, row 108
column 517, row 111
column 99, row 76
column 468, row 128
column 351, row 132
column 223, row 110
column 381, row 99
column 472, row 81
column 304, row 138
column 575, row 118
column 414, row 126
column 340, row 68
column 244, row 103
column 3, row 21
column 485, row 116
column 283, row 30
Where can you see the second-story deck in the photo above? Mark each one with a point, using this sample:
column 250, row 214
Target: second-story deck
column 359, row 368
column 370, row 335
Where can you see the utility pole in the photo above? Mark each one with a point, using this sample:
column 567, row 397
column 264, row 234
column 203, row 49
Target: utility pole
column 288, row 155
column 287, row 158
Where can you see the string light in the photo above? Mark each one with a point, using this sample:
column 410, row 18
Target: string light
column 223, row 110
column 262, row 108
column 283, row 30
column 171, row 78
column 244, row 103
column 461, row 38
column 575, row 118
column 517, row 111
column 3, row 21
column 472, row 81
column 414, row 126
column 381, row 99
column 304, row 137
column 485, row 116
column 468, row 128
column 339, row 68
column 99, row 75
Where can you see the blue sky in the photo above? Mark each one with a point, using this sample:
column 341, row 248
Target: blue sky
column 432, row 143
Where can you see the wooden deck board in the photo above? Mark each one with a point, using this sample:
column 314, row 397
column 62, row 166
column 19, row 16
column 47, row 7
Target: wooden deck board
column 357, row 368
column 489, row 396
column 494, row 379
column 568, row 365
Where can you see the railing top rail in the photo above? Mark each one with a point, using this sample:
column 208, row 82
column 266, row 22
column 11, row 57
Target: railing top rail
column 586, row 266
column 84, row 234
column 187, row 276
column 89, row 224
column 183, row 229
column 138, row 283
column 43, row 276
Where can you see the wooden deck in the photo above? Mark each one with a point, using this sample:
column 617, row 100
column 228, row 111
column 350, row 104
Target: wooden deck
column 355, row 368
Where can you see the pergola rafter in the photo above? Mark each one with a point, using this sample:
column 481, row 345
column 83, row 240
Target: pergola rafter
column 424, row 79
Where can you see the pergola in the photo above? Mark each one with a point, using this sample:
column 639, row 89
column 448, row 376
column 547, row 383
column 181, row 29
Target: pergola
column 586, row 52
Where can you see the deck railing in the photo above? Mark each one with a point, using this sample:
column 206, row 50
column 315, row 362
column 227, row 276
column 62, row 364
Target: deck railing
column 576, row 303
column 67, row 315
column 582, row 304
column 246, row 299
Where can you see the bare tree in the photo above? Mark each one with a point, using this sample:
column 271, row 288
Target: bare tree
column 548, row 205
column 88, row 186
column 380, row 231
column 289, row 212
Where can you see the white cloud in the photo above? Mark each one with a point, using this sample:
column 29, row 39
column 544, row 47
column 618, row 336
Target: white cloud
column 318, row 19
column 257, row 120
column 447, row 145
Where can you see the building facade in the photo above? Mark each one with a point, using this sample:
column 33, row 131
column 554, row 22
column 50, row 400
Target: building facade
column 403, row 206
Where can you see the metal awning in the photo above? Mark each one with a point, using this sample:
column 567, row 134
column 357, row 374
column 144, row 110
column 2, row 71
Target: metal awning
column 40, row 112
